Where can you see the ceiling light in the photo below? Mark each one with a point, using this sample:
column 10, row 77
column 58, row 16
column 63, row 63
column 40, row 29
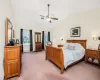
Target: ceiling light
column 48, row 19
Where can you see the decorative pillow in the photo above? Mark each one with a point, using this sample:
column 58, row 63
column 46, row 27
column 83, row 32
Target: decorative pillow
column 71, row 46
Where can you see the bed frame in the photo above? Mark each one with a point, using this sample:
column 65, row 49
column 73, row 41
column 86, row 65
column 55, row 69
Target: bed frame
column 55, row 54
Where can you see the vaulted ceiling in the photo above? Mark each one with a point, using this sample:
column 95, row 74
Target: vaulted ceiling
column 26, row 12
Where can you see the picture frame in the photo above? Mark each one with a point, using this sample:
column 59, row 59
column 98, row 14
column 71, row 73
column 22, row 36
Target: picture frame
column 75, row 32
column 13, row 33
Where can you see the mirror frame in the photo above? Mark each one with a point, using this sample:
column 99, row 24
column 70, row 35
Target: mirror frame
column 6, row 31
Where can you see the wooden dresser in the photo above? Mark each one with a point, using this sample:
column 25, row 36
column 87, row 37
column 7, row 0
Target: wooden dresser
column 38, row 46
column 12, row 61
column 93, row 54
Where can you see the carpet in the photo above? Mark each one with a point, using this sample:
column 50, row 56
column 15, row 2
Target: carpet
column 35, row 67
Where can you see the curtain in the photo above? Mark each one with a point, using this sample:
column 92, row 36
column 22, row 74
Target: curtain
column 43, row 40
column 31, row 41
column 45, row 37
column 21, row 38
column 48, row 36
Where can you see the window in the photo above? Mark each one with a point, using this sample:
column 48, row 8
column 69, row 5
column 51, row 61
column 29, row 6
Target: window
column 26, row 36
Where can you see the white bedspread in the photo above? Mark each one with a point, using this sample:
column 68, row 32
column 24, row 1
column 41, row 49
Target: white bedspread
column 71, row 56
column 68, row 57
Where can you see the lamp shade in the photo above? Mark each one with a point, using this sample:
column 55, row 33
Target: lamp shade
column 94, row 37
column 61, row 38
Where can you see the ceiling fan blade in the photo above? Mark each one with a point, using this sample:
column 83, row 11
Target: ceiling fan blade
column 42, row 17
column 54, row 18
column 48, row 17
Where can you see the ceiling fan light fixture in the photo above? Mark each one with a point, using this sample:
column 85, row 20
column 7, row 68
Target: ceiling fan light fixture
column 48, row 19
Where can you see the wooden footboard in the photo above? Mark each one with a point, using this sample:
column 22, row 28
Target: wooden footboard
column 56, row 56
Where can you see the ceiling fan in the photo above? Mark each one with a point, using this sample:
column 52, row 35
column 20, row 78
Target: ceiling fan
column 48, row 17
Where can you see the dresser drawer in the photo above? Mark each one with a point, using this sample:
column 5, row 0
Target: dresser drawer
column 38, row 47
column 92, row 54
column 12, row 53
column 12, row 68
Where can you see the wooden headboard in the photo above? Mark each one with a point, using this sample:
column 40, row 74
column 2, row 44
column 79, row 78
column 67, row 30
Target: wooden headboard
column 82, row 42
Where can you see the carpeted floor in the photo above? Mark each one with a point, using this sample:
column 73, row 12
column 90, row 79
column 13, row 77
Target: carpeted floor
column 35, row 67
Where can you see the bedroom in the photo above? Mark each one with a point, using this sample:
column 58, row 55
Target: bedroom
column 74, row 13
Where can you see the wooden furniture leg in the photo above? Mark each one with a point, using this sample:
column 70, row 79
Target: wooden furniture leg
column 46, row 58
column 99, row 63
column 86, row 58
column 5, row 78
column 62, row 70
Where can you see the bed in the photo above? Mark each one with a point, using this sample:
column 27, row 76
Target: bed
column 57, row 56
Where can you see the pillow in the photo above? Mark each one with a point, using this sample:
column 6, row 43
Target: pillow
column 71, row 46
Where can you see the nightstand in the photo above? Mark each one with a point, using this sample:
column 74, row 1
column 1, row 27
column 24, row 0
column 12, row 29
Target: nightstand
column 60, row 45
column 93, row 54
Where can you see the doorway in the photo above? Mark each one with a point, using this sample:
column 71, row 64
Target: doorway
column 26, row 41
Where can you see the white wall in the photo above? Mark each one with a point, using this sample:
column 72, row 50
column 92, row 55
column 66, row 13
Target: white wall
column 89, row 21
column 5, row 11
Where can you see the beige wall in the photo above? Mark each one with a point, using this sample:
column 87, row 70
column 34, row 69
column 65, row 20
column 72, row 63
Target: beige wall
column 5, row 11
column 89, row 21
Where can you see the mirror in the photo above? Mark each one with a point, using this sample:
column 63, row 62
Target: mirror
column 8, row 31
